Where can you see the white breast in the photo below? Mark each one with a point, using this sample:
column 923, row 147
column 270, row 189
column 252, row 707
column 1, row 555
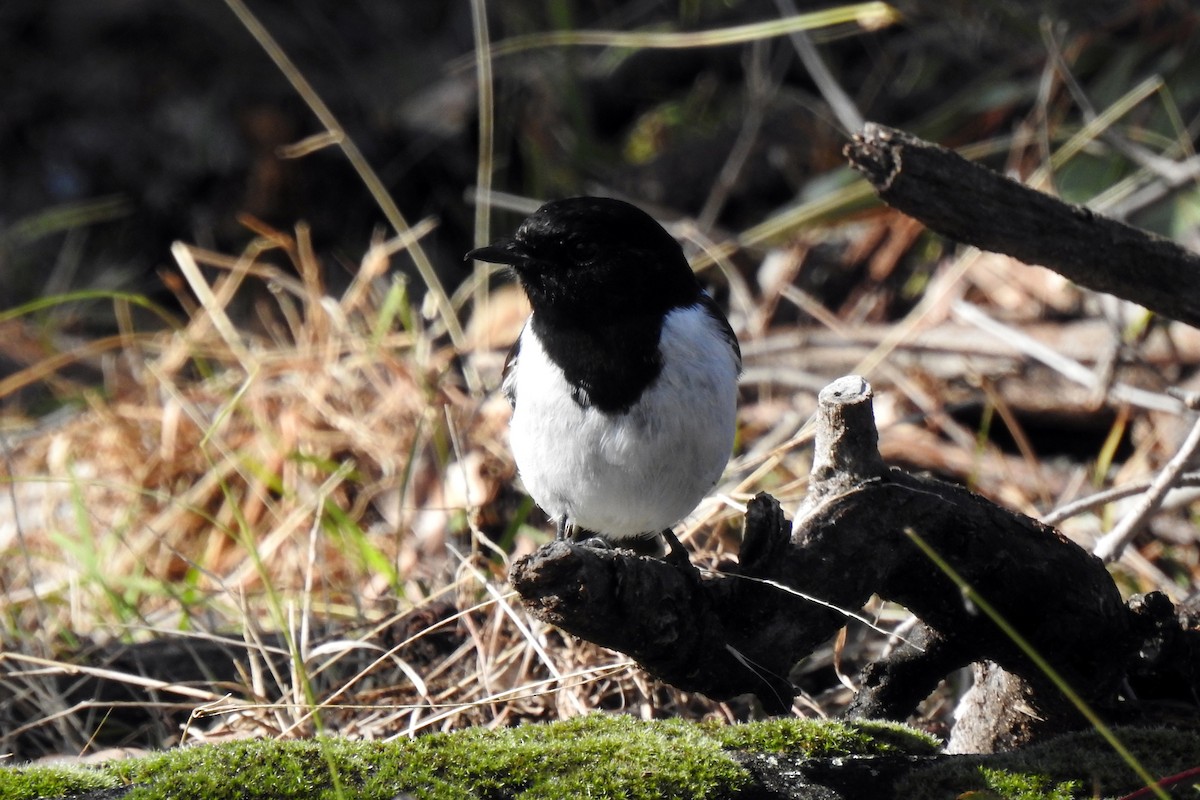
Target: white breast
column 635, row 473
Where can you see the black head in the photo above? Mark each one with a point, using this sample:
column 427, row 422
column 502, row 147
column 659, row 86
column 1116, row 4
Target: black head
column 593, row 256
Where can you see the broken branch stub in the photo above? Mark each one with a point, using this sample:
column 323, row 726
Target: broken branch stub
column 846, row 447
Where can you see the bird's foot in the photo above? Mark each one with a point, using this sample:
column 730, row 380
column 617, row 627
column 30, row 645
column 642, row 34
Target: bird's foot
column 596, row 542
column 562, row 530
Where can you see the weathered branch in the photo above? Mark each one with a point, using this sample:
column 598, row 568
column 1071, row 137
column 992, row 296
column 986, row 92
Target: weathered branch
column 741, row 630
column 972, row 204
column 669, row 620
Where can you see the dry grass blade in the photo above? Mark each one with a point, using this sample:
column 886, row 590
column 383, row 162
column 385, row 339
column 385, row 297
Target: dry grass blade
column 214, row 305
column 1068, row 368
column 369, row 177
column 287, row 481
column 49, row 666
column 868, row 16
column 238, row 470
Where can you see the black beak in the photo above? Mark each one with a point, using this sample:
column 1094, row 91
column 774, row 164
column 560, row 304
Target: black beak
column 502, row 251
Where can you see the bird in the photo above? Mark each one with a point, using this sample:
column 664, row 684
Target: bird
column 623, row 380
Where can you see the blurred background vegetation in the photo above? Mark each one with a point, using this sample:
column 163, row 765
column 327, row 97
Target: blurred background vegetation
column 126, row 126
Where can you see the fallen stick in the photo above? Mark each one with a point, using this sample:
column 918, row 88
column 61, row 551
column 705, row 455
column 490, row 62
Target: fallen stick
column 973, row 205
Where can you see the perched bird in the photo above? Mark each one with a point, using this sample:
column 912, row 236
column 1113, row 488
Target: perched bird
column 623, row 382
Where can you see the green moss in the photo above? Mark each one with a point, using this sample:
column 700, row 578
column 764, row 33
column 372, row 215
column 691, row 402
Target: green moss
column 825, row 739
column 1020, row 786
column 604, row 756
column 53, row 781
column 1079, row 765
column 597, row 756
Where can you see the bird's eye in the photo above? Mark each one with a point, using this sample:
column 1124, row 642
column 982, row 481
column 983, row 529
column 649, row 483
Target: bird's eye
column 582, row 250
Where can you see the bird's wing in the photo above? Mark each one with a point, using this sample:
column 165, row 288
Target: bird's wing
column 508, row 377
column 714, row 311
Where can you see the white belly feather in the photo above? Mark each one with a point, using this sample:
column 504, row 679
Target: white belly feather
column 635, row 473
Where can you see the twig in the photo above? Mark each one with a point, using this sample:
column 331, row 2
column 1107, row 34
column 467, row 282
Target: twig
column 1171, row 780
column 1077, row 507
column 1068, row 368
column 1109, row 548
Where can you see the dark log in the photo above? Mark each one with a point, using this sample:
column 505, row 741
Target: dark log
column 971, row 204
column 741, row 630
column 666, row 618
